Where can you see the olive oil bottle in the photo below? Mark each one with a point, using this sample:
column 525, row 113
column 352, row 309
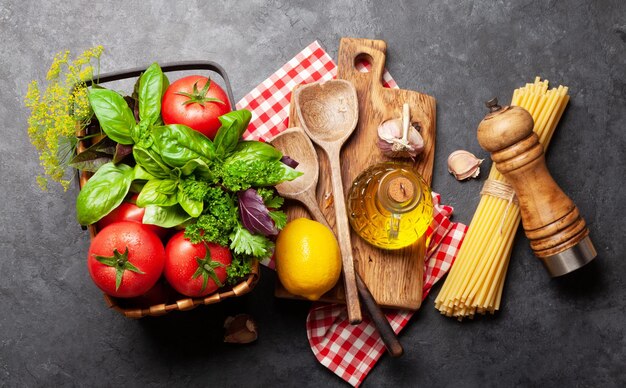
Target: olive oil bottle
column 390, row 206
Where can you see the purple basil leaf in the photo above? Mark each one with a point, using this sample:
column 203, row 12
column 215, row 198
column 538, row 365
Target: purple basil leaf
column 254, row 215
column 289, row 162
column 122, row 151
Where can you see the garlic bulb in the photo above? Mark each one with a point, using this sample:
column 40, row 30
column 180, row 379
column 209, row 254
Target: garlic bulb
column 398, row 139
column 463, row 165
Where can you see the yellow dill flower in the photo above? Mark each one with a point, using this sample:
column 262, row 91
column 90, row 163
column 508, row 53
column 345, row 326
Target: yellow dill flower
column 58, row 110
column 42, row 182
column 55, row 69
column 32, row 95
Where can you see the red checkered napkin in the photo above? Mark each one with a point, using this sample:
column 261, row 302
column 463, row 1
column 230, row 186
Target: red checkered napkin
column 350, row 351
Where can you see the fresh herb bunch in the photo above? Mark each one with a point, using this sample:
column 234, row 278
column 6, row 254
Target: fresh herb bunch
column 220, row 190
column 57, row 109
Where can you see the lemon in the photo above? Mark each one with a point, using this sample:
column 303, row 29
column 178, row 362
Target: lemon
column 308, row 260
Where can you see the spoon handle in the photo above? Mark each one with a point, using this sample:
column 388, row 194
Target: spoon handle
column 393, row 345
column 343, row 234
column 310, row 202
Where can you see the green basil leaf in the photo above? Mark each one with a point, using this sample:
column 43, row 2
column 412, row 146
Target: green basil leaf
column 166, row 217
column 115, row 117
column 150, row 92
column 199, row 168
column 161, row 192
column 103, row 192
column 255, row 150
column 234, row 124
column 137, row 186
column 140, row 173
column 166, row 84
column 178, row 144
column 288, row 174
column 192, row 207
column 150, row 161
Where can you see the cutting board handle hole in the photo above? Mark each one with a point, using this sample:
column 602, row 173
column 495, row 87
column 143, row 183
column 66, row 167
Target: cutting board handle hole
column 363, row 62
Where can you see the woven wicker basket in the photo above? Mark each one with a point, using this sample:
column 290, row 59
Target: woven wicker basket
column 167, row 299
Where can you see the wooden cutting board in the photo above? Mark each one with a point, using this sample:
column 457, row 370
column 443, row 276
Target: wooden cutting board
column 395, row 278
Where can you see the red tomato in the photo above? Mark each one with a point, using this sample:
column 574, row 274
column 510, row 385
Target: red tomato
column 196, row 102
column 193, row 270
column 129, row 211
column 126, row 259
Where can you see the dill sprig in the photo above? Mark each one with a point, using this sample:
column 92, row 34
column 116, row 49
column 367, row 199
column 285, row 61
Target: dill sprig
column 59, row 109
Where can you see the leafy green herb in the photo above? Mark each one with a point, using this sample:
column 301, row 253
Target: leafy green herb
column 219, row 218
column 239, row 268
column 244, row 242
column 178, row 144
column 201, row 169
column 140, row 173
column 192, row 206
column 241, row 174
column 152, row 85
column 161, row 192
column 103, row 192
column 255, row 150
column 234, row 124
column 151, row 161
column 166, row 217
column 279, row 217
column 58, row 110
column 115, row 117
column 198, row 190
column 271, row 200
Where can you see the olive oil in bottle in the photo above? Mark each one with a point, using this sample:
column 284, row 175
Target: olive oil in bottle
column 390, row 206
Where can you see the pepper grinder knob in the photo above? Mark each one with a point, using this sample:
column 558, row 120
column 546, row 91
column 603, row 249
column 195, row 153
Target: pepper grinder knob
column 558, row 234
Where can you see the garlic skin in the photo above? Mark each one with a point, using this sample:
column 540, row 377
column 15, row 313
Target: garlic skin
column 240, row 329
column 463, row 165
column 391, row 143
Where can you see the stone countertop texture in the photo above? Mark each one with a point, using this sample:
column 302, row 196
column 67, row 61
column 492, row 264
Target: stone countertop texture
column 55, row 329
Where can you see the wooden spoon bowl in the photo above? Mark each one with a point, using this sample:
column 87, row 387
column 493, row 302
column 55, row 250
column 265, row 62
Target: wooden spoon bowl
column 329, row 110
column 295, row 143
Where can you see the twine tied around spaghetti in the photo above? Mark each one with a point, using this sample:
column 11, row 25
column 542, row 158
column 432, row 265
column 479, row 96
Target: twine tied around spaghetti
column 503, row 190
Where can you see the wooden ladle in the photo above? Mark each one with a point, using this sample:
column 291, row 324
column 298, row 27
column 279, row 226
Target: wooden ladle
column 328, row 113
column 295, row 143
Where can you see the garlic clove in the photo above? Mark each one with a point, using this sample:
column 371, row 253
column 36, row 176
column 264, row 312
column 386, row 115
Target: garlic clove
column 390, row 130
column 416, row 140
column 463, row 165
column 240, row 329
column 392, row 144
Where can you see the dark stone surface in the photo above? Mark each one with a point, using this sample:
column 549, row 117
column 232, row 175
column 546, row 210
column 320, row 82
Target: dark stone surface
column 55, row 329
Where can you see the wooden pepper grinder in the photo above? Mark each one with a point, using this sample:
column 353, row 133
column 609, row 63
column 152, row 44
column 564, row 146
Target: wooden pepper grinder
column 558, row 234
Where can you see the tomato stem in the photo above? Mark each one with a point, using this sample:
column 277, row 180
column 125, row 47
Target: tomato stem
column 120, row 262
column 206, row 268
column 199, row 97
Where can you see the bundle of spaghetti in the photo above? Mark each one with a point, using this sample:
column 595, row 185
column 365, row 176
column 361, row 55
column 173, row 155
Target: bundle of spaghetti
column 476, row 280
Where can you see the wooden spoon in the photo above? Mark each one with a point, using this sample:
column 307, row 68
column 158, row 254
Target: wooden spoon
column 295, row 143
column 328, row 113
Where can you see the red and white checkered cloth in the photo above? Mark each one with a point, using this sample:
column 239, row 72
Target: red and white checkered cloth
column 350, row 351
